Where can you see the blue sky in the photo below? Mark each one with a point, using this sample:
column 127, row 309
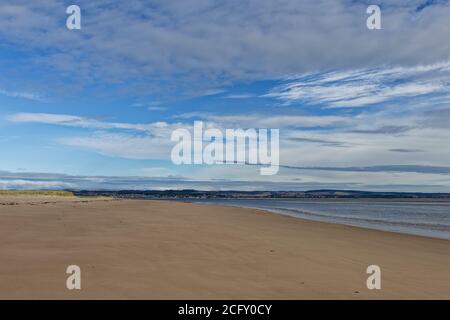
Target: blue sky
column 356, row 108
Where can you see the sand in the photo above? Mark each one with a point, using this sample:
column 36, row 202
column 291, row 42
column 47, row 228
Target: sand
column 131, row 249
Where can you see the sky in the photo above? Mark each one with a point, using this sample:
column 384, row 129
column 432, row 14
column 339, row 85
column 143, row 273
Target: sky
column 95, row 108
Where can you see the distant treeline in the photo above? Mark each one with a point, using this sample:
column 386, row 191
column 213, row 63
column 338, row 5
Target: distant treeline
column 197, row 194
column 314, row 194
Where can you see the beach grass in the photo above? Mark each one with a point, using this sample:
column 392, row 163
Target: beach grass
column 55, row 193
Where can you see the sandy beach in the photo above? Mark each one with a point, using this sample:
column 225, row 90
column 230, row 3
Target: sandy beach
column 130, row 249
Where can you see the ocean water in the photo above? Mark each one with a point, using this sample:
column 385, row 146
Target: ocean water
column 425, row 218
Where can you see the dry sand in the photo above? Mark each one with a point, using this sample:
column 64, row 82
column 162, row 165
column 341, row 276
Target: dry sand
column 168, row 250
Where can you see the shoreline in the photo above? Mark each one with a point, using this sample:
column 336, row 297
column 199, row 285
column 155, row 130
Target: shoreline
column 288, row 213
column 388, row 200
column 173, row 250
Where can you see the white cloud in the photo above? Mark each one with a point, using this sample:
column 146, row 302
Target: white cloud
column 157, row 108
column 200, row 45
column 365, row 139
column 30, row 184
column 128, row 146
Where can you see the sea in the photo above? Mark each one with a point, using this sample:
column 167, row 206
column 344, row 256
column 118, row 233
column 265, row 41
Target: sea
column 425, row 218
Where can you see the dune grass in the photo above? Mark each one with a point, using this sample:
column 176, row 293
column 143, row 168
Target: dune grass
column 56, row 193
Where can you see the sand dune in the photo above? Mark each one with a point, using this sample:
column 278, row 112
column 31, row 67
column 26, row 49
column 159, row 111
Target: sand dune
column 168, row 250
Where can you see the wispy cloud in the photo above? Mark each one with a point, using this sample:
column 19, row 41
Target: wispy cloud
column 118, row 139
column 268, row 121
column 360, row 88
column 406, row 150
column 385, row 129
column 240, row 96
column 23, row 95
column 428, row 3
column 322, row 142
column 87, row 122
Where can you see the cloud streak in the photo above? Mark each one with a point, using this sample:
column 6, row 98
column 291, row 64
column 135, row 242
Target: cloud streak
column 86, row 122
column 382, row 168
column 360, row 88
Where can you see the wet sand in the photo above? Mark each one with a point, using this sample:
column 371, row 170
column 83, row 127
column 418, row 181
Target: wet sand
column 131, row 249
